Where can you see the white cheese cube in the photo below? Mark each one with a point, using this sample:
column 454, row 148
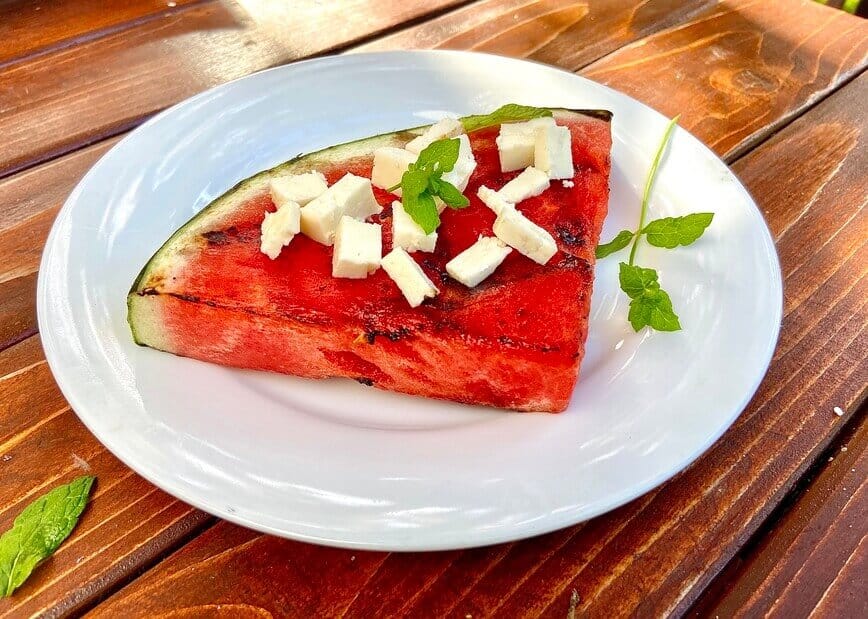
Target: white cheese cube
column 355, row 197
column 319, row 219
column 532, row 182
column 358, row 248
column 515, row 151
column 389, row 166
column 407, row 234
column 553, row 152
column 351, row 195
column 464, row 166
column 478, row 261
column 494, row 200
column 298, row 188
column 516, row 143
column 526, row 237
column 409, row 276
column 446, row 128
column 279, row 228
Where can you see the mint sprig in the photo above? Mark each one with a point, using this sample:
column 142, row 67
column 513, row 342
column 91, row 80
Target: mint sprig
column 423, row 181
column 38, row 530
column 509, row 113
column 650, row 305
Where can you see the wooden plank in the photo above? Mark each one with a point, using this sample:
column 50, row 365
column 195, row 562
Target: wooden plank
column 29, row 27
column 546, row 31
column 813, row 562
column 735, row 71
column 129, row 523
column 654, row 556
column 59, row 101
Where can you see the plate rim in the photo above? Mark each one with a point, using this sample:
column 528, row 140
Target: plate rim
column 552, row 522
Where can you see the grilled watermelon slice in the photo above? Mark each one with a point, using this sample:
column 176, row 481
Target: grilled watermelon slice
column 515, row 341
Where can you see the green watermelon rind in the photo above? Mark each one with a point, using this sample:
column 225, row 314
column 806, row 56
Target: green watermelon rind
column 145, row 329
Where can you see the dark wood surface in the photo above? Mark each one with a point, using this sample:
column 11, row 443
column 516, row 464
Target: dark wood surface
column 763, row 522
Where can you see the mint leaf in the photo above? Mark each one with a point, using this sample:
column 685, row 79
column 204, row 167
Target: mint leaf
column 39, row 530
column 621, row 240
column 439, row 156
column 423, row 210
column 509, row 113
column 450, row 195
column 635, row 280
column 653, row 308
column 671, row 232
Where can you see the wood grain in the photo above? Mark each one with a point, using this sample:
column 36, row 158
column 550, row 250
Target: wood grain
column 71, row 97
column 564, row 33
column 29, row 27
column 815, row 559
column 129, row 523
column 654, row 556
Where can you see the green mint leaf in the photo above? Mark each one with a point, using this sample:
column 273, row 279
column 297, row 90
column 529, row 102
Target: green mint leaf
column 671, row 232
column 450, row 195
column 621, row 240
column 423, row 210
column 653, row 308
column 413, row 183
column 635, row 280
column 39, row 530
column 509, row 113
column 439, row 156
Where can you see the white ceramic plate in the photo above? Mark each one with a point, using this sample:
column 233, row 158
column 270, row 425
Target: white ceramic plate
column 337, row 463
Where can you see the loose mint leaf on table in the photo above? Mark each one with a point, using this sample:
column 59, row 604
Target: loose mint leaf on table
column 509, row 113
column 621, row 240
column 39, row 530
column 671, row 232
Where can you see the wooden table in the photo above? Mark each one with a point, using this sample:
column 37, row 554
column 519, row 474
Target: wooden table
column 772, row 519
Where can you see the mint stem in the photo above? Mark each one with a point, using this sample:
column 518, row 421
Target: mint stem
column 652, row 174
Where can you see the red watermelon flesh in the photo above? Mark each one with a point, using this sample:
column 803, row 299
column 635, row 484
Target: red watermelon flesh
column 515, row 341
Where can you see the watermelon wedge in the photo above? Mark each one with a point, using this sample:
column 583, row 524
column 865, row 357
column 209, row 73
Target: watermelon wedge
column 515, row 341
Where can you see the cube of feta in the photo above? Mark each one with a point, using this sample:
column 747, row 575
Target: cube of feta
column 389, row 166
column 516, row 143
column 446, row 128
column 409, row 276
column 526, row 237
column 478, row 261
column 493, row 199
column 407, row 234
column 358, row 248
column 298, row 188
column 464, row 166
column 553, row 152
column 279, row 228
column 532, row 182
column 351, row 195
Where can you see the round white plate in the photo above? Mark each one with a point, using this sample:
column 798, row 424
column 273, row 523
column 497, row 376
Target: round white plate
column 337, row 463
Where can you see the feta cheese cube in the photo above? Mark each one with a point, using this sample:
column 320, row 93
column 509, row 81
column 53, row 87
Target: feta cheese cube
column 515, row 151
column 494, row 200
column 298, row 188
column 553, row 152
column 516, row 143
column 351, row 195
column 532, row 182
column 279, row 228
column 478, row 261
column 358, row 248
column 446, row 128
column 319, row 218
column 409, row 276
column 526, row 237
column 407, row 234
column 464, row 166
column 389, row 166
